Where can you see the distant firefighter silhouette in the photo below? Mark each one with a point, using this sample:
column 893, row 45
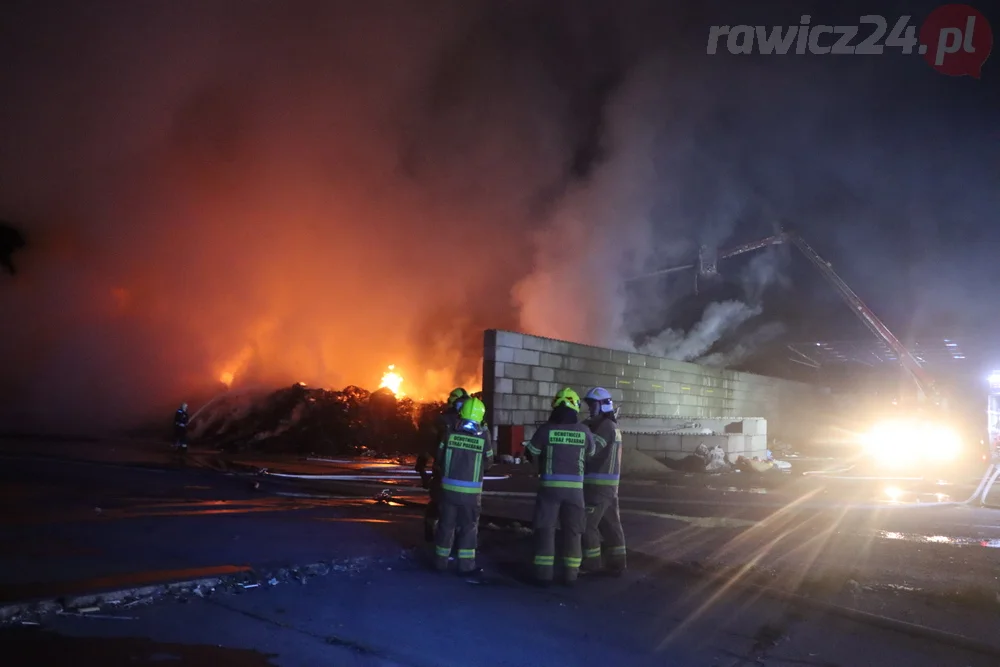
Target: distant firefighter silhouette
column 11, row 240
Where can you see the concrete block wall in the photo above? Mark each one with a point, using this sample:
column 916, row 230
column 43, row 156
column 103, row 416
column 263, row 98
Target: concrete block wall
column 521, row 374
column 676, row 438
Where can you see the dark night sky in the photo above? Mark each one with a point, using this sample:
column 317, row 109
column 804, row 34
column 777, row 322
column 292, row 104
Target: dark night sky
column 315, row 190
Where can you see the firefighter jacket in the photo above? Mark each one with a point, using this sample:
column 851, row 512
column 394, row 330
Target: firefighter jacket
column 603, row 471
column 180, row 419
column 463, row 457
column 561, row 451
column 448, row 418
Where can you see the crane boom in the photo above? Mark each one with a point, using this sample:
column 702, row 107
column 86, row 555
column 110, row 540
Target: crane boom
column 923, row 381
column 920, row 377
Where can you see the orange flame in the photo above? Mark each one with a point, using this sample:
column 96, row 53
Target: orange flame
column 392, row 381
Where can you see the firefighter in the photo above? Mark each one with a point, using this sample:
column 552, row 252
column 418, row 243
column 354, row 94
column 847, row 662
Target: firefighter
column 446, row 419
column 561, row 447
column 600, row 487
column 463, row 457
column 180, row 428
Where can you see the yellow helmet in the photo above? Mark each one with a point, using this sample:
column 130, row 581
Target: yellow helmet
column 457, row 394
column 472, row 410
column 567, row 397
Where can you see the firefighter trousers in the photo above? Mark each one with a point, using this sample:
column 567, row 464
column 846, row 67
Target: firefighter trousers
column 559, row 509
column 432, row 511
column 604, row 523
column 458, row 527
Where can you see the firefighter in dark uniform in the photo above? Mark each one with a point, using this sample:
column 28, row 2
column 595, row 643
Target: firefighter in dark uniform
column 561, row 448
column 430, row 481
column 180, row 428
column 463, row 457
column 600, row 487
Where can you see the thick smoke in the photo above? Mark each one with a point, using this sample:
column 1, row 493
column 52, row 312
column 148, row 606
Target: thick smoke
column 316, row 192
column 746, row 346
column 719, row 319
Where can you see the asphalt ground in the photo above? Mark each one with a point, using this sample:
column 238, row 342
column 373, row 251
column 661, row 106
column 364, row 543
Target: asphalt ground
column 71, row 526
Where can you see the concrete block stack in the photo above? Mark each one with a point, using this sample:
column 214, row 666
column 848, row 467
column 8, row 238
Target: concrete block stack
column 521, row 374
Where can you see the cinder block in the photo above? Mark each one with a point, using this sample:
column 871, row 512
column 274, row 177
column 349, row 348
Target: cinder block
column 541, row 403
column 564, row 377
column 498, row 369
column 646, row 442
column 526, row 387
column 517, row 371
column 548, row 389
column 507, row 402
column 630, row 440
column 576, row 364
column 524, row 417
column 550, row 360
column 528, row 357
column 545, row 345
column 543, row 374
column 504, row 354
column 636, row 360
column 505, row 417
column 503, row 386
column 509, row 339
column 619, row 357
column 671, row 365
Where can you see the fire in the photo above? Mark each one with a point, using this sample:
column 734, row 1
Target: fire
column 392, row 381
column 226, row 379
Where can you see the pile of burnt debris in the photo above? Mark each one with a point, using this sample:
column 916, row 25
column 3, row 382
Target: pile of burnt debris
column 305, row 420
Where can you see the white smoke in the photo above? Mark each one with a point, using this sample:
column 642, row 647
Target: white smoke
column 743, row 348
column 718, row 320
column 760, row 273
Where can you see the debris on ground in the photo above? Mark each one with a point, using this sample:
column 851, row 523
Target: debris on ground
column 91, row 605
column 704, row 460
column 306, row 420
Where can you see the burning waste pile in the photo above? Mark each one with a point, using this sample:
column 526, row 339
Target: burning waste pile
column 304, row 420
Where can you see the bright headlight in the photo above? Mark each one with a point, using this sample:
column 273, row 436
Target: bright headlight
column 941, row 443
column 903, row 441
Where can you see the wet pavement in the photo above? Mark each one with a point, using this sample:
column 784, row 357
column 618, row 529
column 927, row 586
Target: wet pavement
column 397, row 614
column 82, row 524
column 69, row 527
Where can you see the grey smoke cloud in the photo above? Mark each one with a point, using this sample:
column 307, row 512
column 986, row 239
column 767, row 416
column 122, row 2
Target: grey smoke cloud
column 719, row 319
column 316, row 194
column 742, row 349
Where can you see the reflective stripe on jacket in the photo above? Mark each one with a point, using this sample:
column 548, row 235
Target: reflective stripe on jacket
column 463, row 458
column 561, row 451
column 605, row 468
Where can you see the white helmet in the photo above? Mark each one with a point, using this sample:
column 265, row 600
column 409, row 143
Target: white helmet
column 599, row 400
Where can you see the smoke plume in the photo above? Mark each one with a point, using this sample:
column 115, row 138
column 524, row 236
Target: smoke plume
column 255, row 193
column 719, row 319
